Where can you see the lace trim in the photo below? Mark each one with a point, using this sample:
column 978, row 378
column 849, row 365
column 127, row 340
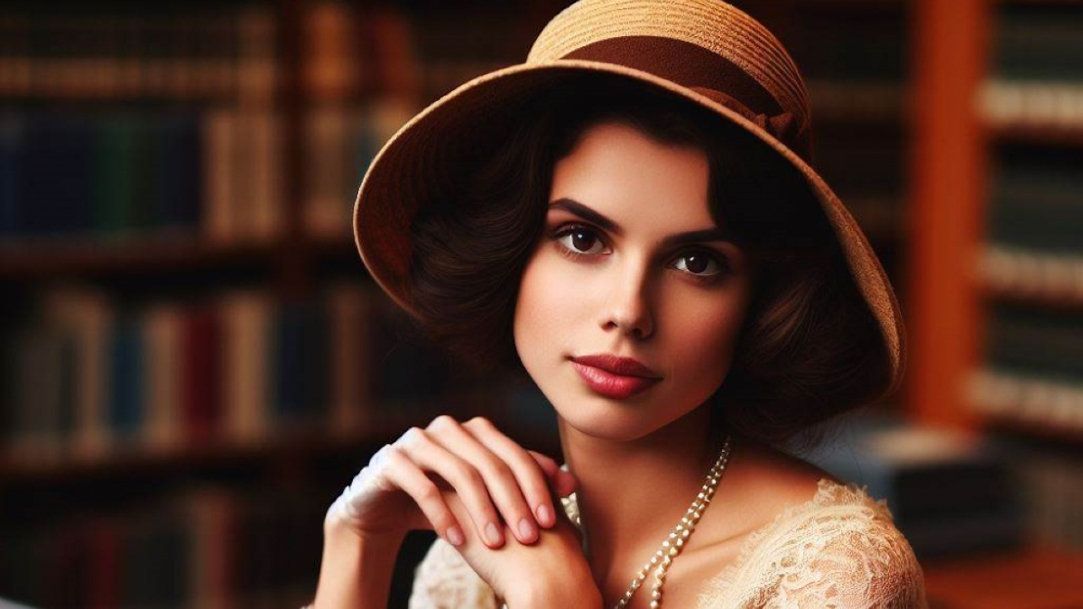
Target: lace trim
column 828, row 494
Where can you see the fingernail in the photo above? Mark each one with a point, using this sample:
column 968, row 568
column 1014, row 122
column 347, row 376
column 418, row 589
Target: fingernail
column 545, row 515
column 455, row 535
column 492, row 533
column 526, row 530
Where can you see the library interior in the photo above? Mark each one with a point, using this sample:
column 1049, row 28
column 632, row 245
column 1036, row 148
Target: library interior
column 194, row 360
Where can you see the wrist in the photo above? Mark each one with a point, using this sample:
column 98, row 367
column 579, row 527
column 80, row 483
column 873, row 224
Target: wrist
column 356, row 568
column 575, row 590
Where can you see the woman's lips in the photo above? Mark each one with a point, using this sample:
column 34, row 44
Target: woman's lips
column 611, row 385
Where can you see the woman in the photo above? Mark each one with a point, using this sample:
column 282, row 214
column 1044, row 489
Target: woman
column 629, row 219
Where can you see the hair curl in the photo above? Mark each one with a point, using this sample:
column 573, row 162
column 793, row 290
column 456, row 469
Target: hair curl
column 809, row 349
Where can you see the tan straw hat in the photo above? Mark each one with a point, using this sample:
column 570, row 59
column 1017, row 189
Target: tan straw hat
column 705, row 51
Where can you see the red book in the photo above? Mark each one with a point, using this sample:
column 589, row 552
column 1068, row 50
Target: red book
column 201, row 402
column 104, row 577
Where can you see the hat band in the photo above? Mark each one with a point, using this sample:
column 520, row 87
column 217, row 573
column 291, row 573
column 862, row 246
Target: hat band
column 704, row 72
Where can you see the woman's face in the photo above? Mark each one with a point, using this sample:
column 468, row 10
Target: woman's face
column 631, row 264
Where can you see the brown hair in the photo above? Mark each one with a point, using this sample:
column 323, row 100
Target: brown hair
column 810, row 348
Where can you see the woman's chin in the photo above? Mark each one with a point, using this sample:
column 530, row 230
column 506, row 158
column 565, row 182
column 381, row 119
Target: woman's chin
column 604, row 421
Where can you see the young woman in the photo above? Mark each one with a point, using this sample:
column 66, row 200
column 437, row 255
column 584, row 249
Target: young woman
column 630, row 220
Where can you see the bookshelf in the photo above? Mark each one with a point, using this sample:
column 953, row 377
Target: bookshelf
column 994, row 260
column 271, row 111
column 186, row 311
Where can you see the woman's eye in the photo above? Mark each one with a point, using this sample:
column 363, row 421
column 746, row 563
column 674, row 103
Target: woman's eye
column 579, row 240
column 699, row 264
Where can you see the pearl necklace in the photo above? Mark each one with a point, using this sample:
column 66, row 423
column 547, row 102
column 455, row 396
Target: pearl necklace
column 673, row 545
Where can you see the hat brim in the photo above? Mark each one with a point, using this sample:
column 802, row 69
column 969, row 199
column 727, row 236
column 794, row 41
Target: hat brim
column 423, row 157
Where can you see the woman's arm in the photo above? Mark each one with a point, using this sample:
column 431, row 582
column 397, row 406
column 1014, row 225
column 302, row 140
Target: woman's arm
column 356, row 569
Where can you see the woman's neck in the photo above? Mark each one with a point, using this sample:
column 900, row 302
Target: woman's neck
column 631, row 494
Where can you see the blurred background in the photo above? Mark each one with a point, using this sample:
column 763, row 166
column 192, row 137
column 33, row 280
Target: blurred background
column 194, row 362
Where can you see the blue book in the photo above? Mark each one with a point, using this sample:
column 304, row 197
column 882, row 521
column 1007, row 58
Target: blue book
column 11, row 138
column 55, row 174
column 179, row 172
column 126, row 396
column 301, row 363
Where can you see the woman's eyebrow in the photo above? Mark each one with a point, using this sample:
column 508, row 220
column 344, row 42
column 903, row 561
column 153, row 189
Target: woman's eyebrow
column 711, row 234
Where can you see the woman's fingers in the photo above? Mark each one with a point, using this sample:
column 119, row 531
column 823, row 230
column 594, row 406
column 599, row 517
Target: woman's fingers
column 514, row 480
column 563, row 481
column 461, row 475
column 403, row 473
column 532, row 474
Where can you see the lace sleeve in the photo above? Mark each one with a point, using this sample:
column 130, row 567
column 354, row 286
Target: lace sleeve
column 839, row 551
column 857, row 567
column 444, row 580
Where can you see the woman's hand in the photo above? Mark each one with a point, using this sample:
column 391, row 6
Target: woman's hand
column 551, row 572
column 404, row 486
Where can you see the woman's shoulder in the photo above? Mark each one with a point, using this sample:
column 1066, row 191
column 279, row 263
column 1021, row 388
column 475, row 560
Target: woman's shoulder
column 840, row 548
column 812, row 541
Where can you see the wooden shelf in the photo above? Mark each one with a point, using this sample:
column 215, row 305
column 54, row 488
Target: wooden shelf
column 306, row 440
column 213, row 453
column 91, row 256
column 1045, row 135
column 88, row 255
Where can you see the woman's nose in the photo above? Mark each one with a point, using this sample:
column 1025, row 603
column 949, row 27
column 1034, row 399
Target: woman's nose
column 628, row 309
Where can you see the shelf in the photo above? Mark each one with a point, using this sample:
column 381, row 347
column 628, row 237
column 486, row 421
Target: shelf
column 308, row 440
column 1024, row 276
column 1028, row 405
column 217, row 454
column 81, row 254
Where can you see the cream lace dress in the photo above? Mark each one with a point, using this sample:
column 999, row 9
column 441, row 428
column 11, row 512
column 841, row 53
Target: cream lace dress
column 839, row 550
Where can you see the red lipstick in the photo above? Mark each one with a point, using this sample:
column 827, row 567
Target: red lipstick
column 614, row 377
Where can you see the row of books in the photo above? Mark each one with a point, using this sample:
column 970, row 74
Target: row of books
column 231, row 54
column 340, row 143
column 90, row 375
column 1034, row 197
column 202, row 547
column 1035, row 339
column 353, row 51
column 106, row 175
column 219, row 52
column 1037, row 40
column 217, row 175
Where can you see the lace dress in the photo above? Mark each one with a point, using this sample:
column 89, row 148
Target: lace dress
column 839, row 550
